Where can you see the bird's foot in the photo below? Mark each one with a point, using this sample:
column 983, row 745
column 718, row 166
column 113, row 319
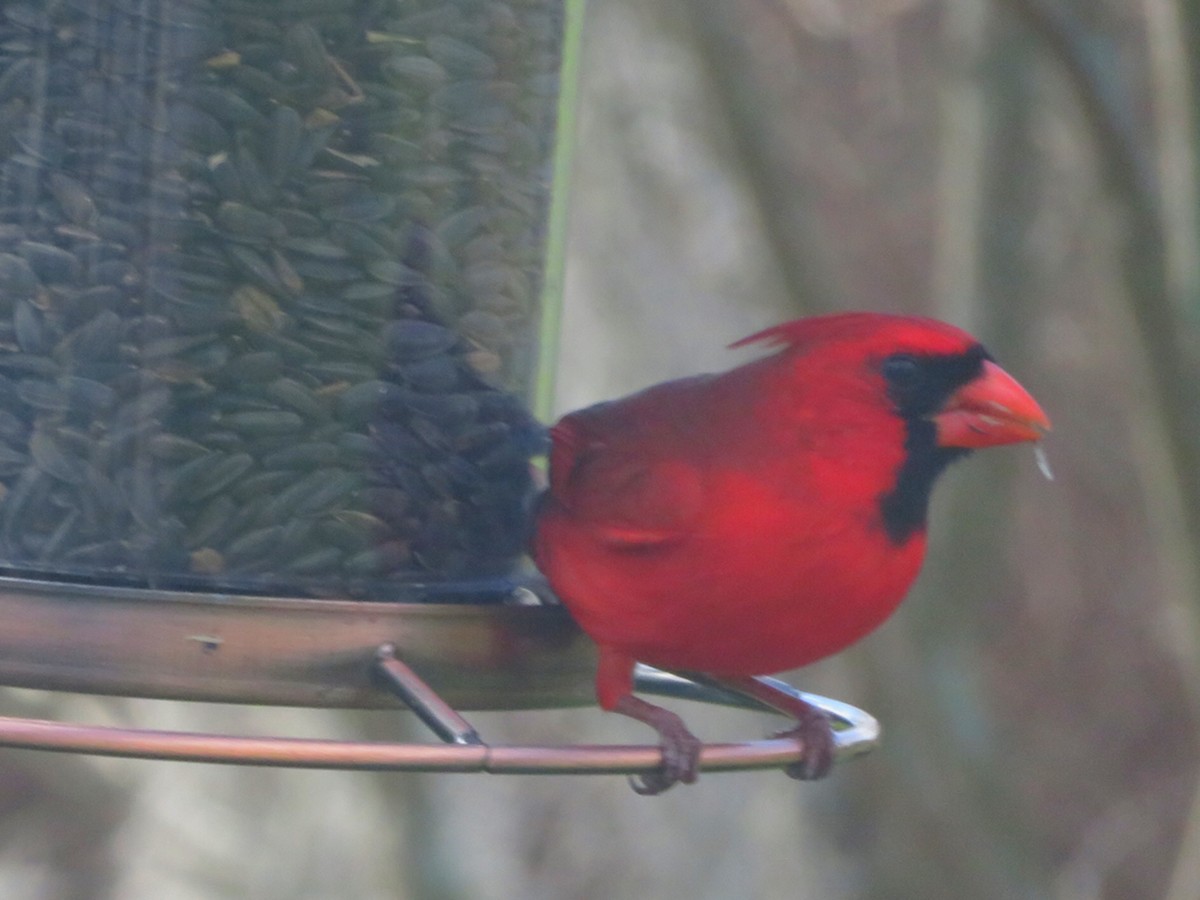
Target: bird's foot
column 813, row 728
column 680, row 748
column 815, row 733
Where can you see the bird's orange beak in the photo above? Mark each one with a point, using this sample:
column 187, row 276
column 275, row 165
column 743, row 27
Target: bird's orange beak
column 992, row 409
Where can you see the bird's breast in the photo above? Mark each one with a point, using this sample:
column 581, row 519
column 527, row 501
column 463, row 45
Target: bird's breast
column 764, row 582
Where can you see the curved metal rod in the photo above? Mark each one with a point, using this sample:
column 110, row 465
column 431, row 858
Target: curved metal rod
column 857, row 733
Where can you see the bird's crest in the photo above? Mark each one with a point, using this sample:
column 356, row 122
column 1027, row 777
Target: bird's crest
column 857, row 326
column 797, row 333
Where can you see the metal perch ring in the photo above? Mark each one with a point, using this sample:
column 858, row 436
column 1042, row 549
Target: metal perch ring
column 290, row 651
column 463, row 750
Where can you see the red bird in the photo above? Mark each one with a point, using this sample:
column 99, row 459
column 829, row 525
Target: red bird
column 761, row 519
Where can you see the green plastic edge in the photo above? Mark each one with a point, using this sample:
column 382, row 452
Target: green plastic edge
column 553, row 280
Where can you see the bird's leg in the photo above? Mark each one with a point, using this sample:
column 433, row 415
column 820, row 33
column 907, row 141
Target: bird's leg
column 680, row 748
column 812, row 729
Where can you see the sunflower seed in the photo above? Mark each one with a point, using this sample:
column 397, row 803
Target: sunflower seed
column 173, row 448
column 17, row 277
column 413, row 339
column 264, row 422
column 240, row 219
column 74, row 200
column 50, row 456
column 253, row 545
column 51, row 263
column 224, row 105
column 316, row 561
column 292, row 394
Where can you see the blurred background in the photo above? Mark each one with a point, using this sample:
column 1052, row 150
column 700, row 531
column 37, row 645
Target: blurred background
column 1026, row 169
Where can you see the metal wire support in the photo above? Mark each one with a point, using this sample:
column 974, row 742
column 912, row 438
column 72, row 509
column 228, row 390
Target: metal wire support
column 462, row 750
column 438, row 715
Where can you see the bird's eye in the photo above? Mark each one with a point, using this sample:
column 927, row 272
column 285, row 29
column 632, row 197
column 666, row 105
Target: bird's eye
column 901, row 370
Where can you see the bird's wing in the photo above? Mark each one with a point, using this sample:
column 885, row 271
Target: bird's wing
column 625, row 497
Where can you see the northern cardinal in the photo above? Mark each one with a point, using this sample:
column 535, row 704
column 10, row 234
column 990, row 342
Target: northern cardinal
column 757, row 520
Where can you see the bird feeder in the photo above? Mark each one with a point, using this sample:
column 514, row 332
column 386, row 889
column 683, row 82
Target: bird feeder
column 278, row 293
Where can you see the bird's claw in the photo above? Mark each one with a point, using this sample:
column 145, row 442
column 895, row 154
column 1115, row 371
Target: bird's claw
column 680, row 759
column 647, row 784
column 815, row 733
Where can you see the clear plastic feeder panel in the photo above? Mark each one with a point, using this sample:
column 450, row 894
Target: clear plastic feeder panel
column 270, row 289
